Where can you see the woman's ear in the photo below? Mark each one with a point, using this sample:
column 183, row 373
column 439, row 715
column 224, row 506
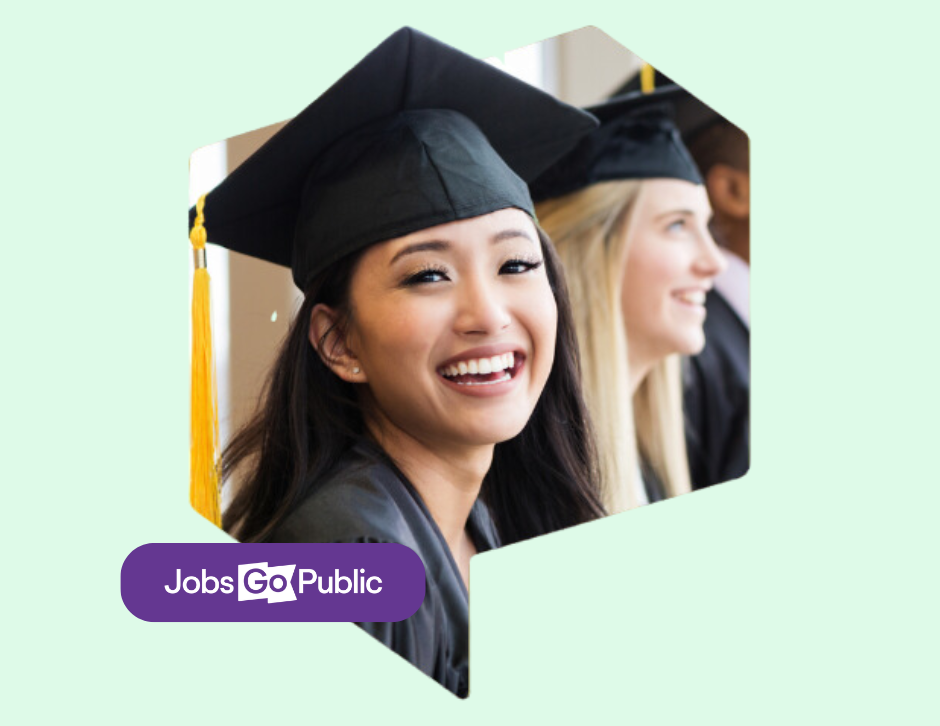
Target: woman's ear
column 331, row 343
column 730, row 191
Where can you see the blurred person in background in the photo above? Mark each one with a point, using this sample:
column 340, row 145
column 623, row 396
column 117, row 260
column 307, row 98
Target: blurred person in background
column 629, row 214
column 718, row 380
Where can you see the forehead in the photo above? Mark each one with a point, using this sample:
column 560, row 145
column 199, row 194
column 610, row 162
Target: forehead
column 662, row 195
column 467, row 233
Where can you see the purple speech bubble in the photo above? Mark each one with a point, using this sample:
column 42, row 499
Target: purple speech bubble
column 361, row 583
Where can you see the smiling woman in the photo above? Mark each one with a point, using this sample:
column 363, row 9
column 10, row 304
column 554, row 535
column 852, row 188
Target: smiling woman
column 630, row 216
column 464, row 294
column 428, row 391
column 671, row 262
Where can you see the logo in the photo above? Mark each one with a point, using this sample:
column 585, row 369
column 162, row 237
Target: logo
column 260, row 582
column 220, row 582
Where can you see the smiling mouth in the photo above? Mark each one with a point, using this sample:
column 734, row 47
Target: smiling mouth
column 695, row 298
column 483, row 371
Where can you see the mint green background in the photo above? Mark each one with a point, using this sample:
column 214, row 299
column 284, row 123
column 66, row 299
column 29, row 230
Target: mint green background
column 805, row 593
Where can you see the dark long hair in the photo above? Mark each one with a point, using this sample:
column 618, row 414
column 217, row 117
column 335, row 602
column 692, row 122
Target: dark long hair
column 542, row 480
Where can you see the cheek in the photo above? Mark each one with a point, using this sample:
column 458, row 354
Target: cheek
column 538, row 313
column 394, row 332
column 652, row 274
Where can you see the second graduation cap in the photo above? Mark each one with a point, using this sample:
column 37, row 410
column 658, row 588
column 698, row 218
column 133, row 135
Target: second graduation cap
column 415, row 135
column 637, row 139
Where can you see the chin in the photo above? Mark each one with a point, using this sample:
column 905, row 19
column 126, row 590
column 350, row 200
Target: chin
column 693, row 347
column 688, row 342
column 486, row 433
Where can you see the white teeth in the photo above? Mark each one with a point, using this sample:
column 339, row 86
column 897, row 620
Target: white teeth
column 693, row 297
column 480, row 366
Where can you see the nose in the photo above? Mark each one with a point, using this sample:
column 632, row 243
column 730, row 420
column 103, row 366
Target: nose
column 481, row 308
column 710, row 261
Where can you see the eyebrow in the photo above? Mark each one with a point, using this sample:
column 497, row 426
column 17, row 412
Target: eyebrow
column 671, row 212
column 442, row 245
column 429, row 246
column 512, row 234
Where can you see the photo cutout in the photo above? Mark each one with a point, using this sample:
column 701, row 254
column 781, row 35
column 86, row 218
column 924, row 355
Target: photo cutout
column 460, row 303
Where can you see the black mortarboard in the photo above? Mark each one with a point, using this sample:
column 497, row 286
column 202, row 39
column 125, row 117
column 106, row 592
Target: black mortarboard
column 415, row 135
column 691, row 115
column 637, row 139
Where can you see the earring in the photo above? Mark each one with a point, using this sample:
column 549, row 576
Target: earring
column 356, row 370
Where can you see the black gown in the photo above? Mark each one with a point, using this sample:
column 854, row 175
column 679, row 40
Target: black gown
column 717, row 398
column 367, row 499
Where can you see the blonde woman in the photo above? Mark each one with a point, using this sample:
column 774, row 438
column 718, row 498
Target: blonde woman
column 629, row 216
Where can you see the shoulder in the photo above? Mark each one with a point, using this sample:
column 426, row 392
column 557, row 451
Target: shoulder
column 362, row 500
column 723, row 328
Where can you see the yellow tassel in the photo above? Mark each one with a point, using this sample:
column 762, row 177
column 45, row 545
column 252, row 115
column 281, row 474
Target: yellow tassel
column 647, row 78
column 204, row 413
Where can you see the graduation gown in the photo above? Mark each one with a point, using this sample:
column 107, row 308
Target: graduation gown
column 654, row 488
column 717, row 398
column 367, row 499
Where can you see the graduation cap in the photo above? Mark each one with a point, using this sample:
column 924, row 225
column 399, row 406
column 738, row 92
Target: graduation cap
column 417, row 134
column 637, row 139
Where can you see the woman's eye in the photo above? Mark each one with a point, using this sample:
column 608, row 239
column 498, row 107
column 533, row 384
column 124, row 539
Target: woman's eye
column 517, row 267
column 424, row 277
column 676, row 226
